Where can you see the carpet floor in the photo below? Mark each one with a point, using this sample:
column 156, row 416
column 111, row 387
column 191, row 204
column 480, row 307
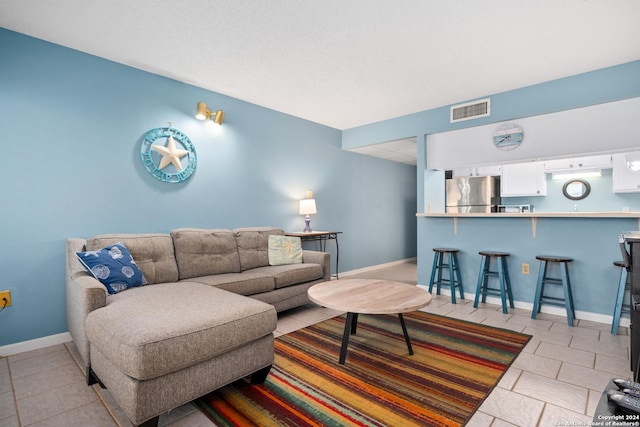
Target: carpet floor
column 455, row 366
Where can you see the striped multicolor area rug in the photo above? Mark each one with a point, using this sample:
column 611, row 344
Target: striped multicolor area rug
column 455, row 366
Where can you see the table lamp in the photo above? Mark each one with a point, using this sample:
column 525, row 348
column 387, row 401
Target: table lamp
column 308, row 207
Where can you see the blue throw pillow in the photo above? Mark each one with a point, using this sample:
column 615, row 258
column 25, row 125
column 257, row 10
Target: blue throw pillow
column 114, row 267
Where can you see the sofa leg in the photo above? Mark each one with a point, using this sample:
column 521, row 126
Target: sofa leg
column 92, row 378
column 258, row 377
column 153, row 422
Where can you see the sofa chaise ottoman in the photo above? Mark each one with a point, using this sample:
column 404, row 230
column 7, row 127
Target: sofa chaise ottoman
column 173, row 350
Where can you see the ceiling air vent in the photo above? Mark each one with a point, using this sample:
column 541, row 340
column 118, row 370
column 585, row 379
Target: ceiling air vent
column 471, row 110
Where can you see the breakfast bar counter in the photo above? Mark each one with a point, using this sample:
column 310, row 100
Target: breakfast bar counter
column 534, row 215
column 589, row 238
column 531, row 215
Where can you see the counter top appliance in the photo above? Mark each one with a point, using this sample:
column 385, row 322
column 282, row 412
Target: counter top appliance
column 515, row 208
column 477, row 194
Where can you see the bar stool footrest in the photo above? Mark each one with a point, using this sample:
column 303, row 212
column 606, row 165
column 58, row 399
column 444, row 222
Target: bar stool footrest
column 553, row 281
column 560, row 302
column 492, row 291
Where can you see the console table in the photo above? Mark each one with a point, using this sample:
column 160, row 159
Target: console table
column 322, row 237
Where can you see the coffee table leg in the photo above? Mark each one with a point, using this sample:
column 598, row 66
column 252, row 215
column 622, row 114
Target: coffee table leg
column 348, row 325
column 354, row 323
column 406, row 334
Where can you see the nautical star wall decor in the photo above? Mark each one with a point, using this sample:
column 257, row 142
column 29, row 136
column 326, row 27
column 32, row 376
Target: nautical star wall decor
column 168, row 154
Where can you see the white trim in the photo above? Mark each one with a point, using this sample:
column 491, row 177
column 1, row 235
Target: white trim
column 557, row 311
column 36, row 344
column 376, row 267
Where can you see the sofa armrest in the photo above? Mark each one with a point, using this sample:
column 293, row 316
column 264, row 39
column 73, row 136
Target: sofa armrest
column 322, row 258
column 84, row 294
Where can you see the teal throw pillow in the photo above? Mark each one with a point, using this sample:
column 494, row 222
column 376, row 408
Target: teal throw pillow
column 284, row 250
column 114, row 267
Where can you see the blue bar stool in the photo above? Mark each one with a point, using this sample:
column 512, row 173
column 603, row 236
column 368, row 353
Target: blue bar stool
column 453, row 279
column 623, row 288
column 502, row 274
column 543, row 279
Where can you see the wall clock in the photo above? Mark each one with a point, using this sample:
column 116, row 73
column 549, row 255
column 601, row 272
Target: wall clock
column 168, row 154
column 508, row 136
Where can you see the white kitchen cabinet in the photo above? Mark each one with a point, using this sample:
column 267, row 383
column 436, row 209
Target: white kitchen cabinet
column 478, row 171
column 489, row 170
column 624, row 179
column 523, row 179
column 578, row 163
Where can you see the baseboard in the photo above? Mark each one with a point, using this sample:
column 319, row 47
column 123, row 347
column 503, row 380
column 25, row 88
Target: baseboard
column 36, row 344
column 557, row 311
column 376, row 267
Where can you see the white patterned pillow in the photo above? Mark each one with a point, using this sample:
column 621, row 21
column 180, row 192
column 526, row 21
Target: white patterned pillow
column 284, row 250
column 114, row 267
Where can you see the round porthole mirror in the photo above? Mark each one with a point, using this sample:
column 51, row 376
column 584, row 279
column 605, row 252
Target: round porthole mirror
column 576, row 189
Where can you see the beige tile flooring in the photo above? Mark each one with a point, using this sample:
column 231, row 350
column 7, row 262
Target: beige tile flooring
column 558, row 377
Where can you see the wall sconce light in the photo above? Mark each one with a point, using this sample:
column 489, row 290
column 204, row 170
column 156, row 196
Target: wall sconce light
column 308, row 207
column 204, row 113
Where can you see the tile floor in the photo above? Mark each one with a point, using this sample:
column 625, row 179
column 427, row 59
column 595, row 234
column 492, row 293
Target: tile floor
column 558, row 377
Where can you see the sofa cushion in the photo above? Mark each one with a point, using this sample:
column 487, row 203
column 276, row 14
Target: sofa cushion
column 253, row 245
column 114, row 267
column 201, row 252
column 284, row 250
column 293, row 274
column 245, row 283
column 151, row 331
column 153, row 253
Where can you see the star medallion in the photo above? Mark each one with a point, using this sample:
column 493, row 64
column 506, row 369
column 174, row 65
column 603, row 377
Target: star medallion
column 170, row 154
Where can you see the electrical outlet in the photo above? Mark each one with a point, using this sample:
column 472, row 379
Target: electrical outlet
column 525, row 268
column 5, row 295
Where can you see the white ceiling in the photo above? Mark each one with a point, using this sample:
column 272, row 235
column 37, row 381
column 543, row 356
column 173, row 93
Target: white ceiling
column 343, row 63
column 401, row 150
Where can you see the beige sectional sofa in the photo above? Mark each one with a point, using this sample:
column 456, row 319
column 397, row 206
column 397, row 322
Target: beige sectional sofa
column 205, row 317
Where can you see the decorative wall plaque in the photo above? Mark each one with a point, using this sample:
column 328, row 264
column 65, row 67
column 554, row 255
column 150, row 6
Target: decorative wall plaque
column 508, row 137
column 168, row 155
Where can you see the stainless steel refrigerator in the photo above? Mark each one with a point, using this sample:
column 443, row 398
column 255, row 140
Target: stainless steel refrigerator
column 475, row 194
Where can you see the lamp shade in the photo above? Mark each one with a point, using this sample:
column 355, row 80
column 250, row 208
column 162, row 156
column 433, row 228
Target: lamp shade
column 307, row 206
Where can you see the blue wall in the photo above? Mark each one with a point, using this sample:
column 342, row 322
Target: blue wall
column 71, row 126
column 593, row 243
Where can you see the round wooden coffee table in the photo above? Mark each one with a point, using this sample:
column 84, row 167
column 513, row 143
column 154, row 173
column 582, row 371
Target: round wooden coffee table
column 368, row 296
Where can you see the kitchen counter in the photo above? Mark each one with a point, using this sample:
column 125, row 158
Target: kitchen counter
column 532, row 215
column 590, row 238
